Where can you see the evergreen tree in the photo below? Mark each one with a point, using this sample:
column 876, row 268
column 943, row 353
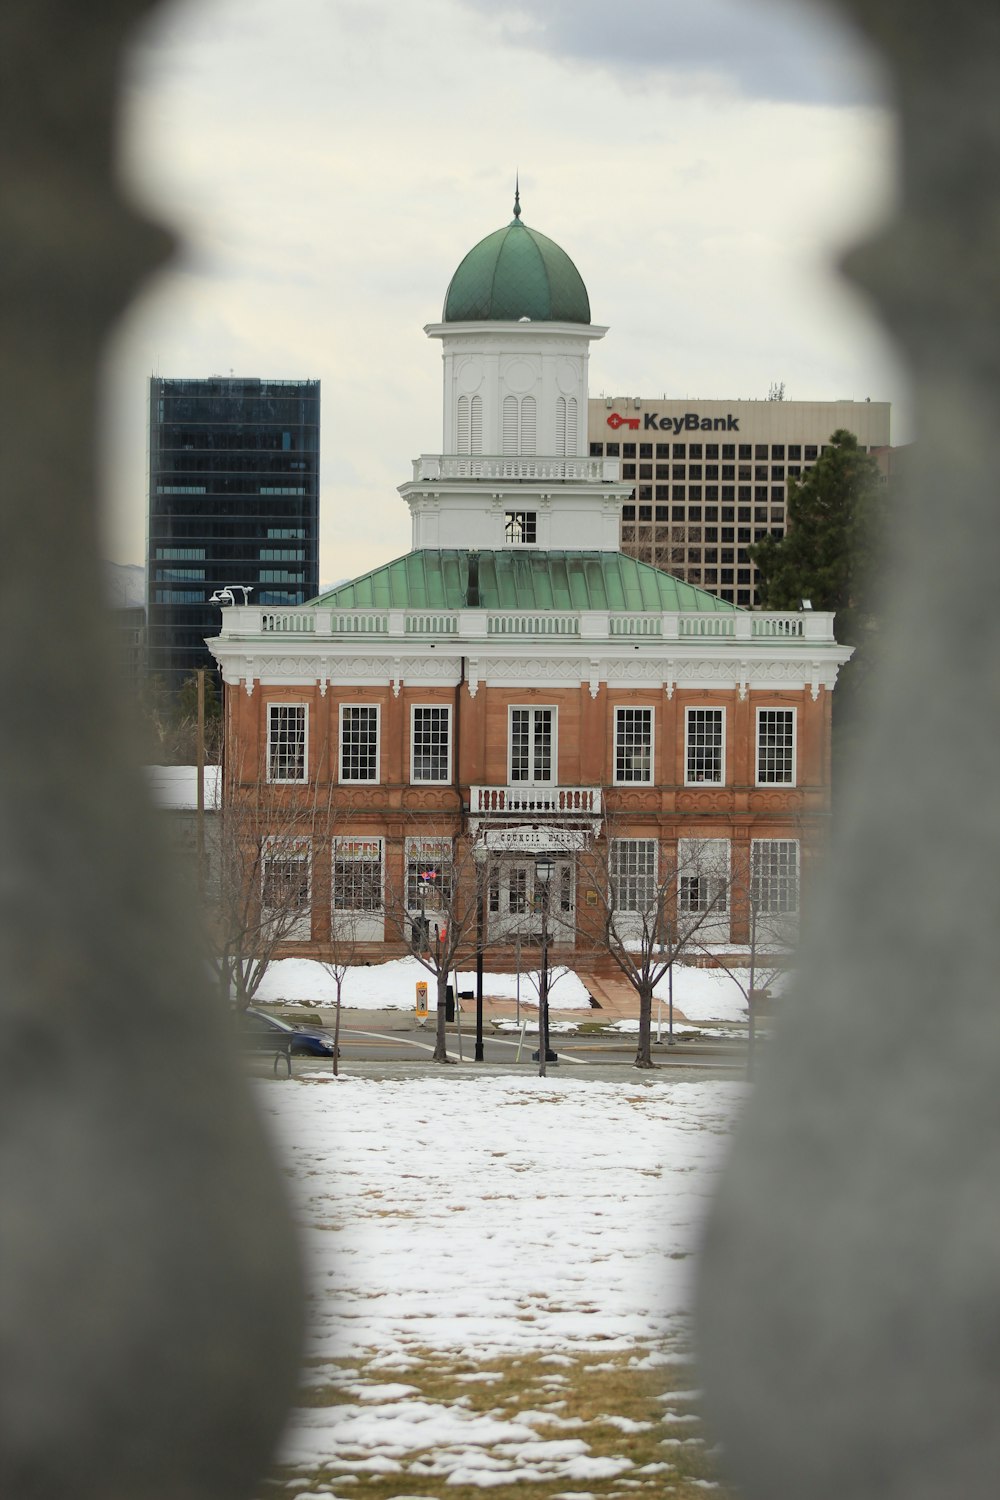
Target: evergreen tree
column 826, row 554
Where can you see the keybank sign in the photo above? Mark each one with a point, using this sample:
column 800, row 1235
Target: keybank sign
column 689, row 422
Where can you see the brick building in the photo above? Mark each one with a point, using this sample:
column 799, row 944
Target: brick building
column 515, row 681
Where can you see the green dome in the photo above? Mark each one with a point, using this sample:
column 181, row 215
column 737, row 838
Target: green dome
column 516, row 273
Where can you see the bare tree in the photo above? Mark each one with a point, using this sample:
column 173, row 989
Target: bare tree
column 343, row 951
column 651, row 906
column 763, row 893
column 433, row 910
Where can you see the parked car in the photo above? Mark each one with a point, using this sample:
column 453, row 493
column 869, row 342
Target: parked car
column 271, row 1034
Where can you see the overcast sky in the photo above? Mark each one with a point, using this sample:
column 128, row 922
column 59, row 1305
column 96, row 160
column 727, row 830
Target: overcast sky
column 327, row 163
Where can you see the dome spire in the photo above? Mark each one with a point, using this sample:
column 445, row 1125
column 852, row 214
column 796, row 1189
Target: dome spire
column 517, row 197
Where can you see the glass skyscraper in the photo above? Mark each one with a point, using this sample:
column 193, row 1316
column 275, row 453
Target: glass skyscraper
column 233, row 500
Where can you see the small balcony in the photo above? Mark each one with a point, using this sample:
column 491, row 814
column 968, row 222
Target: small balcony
column 515, row 466
column 535, row 801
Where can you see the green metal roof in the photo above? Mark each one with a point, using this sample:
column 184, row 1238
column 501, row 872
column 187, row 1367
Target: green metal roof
column 516, row 273
column 437, row 578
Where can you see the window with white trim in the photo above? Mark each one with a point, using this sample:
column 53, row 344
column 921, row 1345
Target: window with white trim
column 286, row 741
column 703, row 876
column 533, row 746
column 775, row 747
column 357, row 875
column 359, row 741
column 428, row 874
column 285, row 893
column 774, row 876
column 430, row 743
column 520, row 527
column 633, row 745
column 704, row 746
column 633, row 874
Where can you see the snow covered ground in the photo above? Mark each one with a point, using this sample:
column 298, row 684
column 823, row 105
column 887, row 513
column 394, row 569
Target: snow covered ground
column 482, row 1218
column 700, row 994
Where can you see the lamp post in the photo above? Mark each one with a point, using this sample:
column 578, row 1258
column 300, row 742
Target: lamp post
column 479, row 855
column 544, row 866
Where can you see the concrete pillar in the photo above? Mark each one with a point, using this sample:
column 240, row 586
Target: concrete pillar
column 149, row 1301
column 850, row 1278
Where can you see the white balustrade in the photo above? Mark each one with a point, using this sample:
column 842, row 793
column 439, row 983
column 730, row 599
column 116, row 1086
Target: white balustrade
column 524, row 801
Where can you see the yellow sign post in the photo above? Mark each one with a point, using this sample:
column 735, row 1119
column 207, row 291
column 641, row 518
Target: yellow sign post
column 421, row 1000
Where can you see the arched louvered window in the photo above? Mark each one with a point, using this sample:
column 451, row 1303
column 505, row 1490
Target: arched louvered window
column 463, row 424
column 528, row 425
column 561, row 425
column 476, row 425
column 510, row 424
column 570, row 443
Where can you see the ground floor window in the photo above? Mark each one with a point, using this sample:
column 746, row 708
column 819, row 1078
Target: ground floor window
column 357, row 886
column 633, row 874
column 428, row 874
column 774, row 877
column 285, row 889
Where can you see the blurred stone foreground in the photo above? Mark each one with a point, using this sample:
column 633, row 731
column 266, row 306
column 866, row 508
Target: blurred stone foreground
column 149, row 1280
column 849, row 1309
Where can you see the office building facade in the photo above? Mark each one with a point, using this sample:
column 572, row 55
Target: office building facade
column 233, row 502
column 711, row 477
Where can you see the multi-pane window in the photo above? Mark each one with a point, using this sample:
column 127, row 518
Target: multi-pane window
column 428, row 874
column 357, row 875
column 703, row 877
column 532, row 743
column 775, row 746
column 520, row 526
column 286, row 742
column 285, row 879
column 633, row 744
column 633, row 874
column 774, row 876
column 430, row 744
column 704, row 751
column 359, row 742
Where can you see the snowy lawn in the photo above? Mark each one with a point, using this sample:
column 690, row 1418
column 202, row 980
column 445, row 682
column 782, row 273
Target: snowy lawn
column 500, row 1279
column 700, row 994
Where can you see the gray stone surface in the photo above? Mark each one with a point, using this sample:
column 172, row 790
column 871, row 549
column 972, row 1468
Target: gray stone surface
column 849, row 1303
column 149, row 1280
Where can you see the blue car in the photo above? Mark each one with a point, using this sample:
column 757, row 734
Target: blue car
column 265, row 1033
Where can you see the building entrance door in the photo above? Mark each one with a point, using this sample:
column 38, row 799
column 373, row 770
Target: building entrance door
column 514, row 903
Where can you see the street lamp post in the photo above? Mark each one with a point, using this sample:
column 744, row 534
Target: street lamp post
column 544, row 866
column 479, row 854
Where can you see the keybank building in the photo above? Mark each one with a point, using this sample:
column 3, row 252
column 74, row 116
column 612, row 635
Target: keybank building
column 233, row 501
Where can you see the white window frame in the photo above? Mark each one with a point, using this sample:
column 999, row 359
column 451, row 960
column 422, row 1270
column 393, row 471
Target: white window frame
column 709, row 861
column 792, row 779
column 295, row 850
column 437, row 852
column 755, row 876
column 515, row 521
column 704, row 708
column 368, row 921
column 533, row 708
column 345, row 709
column 274, row 708
column 617, row 846
column 621, row 709
column 416, row 780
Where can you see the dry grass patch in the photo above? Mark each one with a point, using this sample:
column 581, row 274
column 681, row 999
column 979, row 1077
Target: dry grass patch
column 641, row 1426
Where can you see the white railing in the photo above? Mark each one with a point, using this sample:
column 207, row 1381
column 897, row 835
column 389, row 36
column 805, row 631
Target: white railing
column 657, row 628
column 429, row 622
column 635, row 625
column 525, row 801
column 288, row 622
column 431, row 466
column 522, row 622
